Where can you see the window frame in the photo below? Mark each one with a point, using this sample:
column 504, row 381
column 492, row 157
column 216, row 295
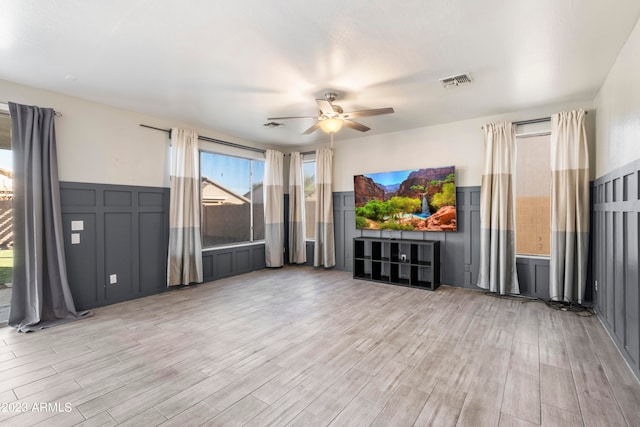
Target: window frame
column 529, row 134
column 312, row 159
column 252, row 240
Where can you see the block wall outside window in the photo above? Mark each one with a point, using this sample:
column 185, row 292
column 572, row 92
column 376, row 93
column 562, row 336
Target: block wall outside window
column 232, row 199
column 533, row 195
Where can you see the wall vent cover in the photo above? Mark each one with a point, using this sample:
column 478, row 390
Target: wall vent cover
column 457, row 80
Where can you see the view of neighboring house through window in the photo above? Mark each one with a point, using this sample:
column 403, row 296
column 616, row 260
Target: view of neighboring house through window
column 309, row 171
column 232, row 199
column 533, row 195
column 6, row 221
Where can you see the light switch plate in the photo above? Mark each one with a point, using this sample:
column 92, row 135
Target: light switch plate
column 75, row 238
column 77, row 225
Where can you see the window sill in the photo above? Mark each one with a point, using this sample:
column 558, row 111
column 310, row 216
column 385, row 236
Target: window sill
column 543, row 257
column 234, row 245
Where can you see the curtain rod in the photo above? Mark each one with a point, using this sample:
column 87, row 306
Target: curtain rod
column 6, row 104
column 304, row 153
column 217, row 141
column 532, row 121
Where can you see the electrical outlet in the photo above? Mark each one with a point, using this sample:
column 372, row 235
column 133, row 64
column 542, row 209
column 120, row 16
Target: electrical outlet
column 113, row 279
column 596, row 286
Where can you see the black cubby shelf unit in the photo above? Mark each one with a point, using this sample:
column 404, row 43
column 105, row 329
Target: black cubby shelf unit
column 413, row 263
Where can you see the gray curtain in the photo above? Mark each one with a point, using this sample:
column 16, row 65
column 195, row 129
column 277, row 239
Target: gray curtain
column 184, row 265
column 41, row 296
column 297, row 244
column 274, row 209
column 324, row 248
column 569, row 206
column 497, row 211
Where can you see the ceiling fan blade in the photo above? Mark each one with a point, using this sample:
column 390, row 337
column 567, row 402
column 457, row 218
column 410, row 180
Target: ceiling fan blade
column 291, row 117
column 367, row 113
column 325, row 107
column 356, row 126
column 312, row 129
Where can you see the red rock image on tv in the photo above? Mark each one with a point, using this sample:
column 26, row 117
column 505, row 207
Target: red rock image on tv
column 414, row 200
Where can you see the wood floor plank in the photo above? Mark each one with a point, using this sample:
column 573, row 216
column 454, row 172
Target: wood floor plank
column 150, row 417
column 628, row 398
column 302, row 346
column 285, row 409
column 522, row 396
column 235, row 391
column 359, row 412
column 125, row 393
column 591, row 380
column 337, row 396
column 556, row 417
column 442, row 408
column 600, row 412
column 403, row 408
column 558, row 389
column 554, row 354
column 177, row 403
column 103, row 419
column 307, row 419
column 482, row 404
column 239, row 413
column 507, row 420
column 382, row 386
column 153, row 396
column 525, row 358
column 195, row 416
column 62, row 419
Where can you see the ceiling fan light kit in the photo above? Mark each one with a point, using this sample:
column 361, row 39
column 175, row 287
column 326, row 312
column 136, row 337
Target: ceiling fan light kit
column 331, row 125
column 332, row 117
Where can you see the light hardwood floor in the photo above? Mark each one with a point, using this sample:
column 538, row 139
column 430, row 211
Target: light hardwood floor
column 304, row 347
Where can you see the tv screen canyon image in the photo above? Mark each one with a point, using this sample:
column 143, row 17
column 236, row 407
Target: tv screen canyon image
column 410, row 200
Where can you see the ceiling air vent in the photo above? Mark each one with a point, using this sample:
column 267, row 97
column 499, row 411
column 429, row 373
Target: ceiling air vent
column 273, row 124
column 457, row 80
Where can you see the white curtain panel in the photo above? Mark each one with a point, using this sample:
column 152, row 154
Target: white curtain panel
column 324, row 249
column 497, row 211
column 297, row 245
column 569, row 206
column 185, row 245
column 274, row 209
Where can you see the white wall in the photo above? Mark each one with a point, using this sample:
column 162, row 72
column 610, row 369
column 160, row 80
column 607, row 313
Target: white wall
column 101, row 144
column 458, row 143
column 618, row 110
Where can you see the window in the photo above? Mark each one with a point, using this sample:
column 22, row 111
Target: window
column 533, row 195
column 232, row 199
column 6, row 217
column 309, row 171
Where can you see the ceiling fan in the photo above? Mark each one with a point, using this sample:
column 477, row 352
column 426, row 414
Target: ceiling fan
column 332, row 117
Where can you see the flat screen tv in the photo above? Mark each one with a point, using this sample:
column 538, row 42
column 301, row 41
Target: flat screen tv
column 417, row 200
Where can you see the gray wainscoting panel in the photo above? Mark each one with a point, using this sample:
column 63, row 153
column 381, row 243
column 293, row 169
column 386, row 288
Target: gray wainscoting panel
column 125, row 232
column 152, row 248
column 344, row 219
column 533, row 277
column 232, row 260
column 459, row 251
column 615, row 237
column 82, row 259
column 118, row 254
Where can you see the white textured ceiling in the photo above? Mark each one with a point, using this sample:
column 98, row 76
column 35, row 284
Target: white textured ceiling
column 229, row 65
